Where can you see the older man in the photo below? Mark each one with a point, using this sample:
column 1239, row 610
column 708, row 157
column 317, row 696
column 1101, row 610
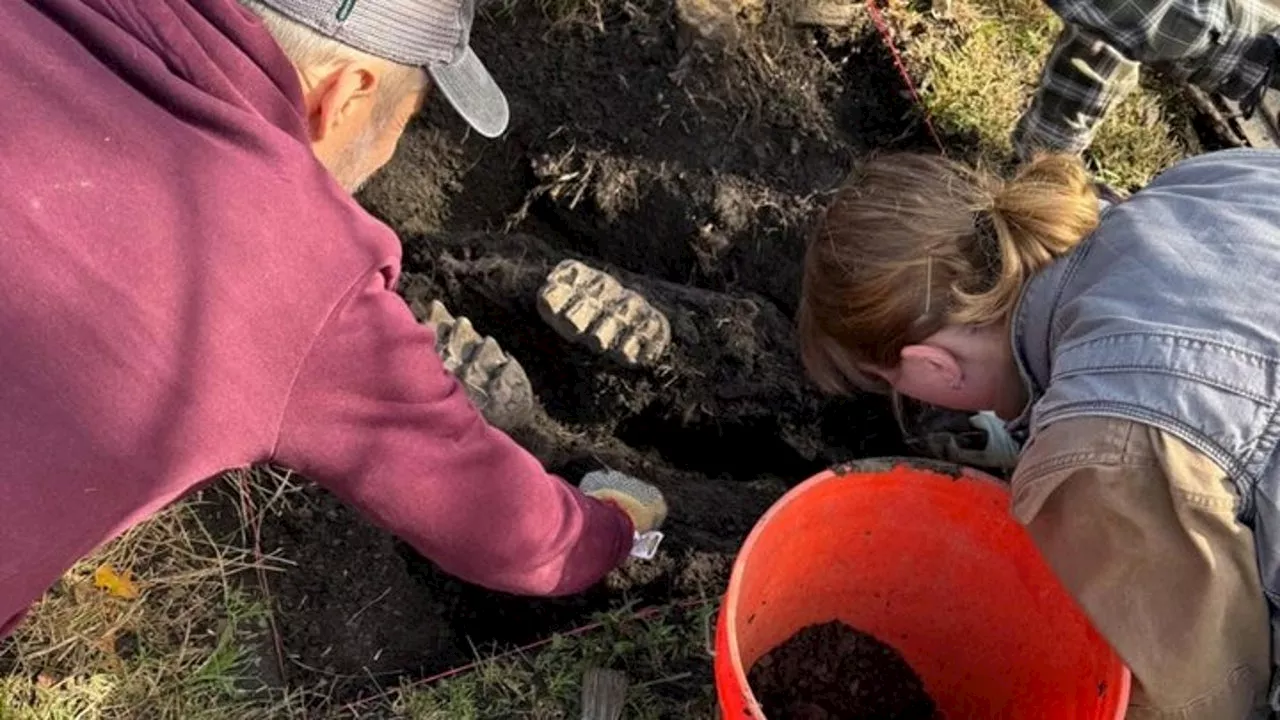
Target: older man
column 1225, row 47
column 187, row 286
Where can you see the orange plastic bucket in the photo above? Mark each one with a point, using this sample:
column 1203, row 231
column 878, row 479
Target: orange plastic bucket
column 927, row 559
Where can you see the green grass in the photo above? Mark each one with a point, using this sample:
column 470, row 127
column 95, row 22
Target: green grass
column 980, row 68
column 663, row 653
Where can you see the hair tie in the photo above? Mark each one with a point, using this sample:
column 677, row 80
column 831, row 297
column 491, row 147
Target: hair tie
column 987, row 259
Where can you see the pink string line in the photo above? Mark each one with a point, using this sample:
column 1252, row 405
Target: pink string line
column 575, row 632
column 886, row 36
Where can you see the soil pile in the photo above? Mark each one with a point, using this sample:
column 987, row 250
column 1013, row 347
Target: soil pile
column 834, row 672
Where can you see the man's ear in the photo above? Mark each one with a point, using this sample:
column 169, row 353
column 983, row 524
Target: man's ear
column 336, row 99
column 931, row 366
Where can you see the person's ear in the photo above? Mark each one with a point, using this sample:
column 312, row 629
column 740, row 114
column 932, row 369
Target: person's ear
column 340, row 102
column 934, row 361
column 928, row 372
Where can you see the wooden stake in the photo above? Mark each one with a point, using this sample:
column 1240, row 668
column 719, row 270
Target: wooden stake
column 604, row 693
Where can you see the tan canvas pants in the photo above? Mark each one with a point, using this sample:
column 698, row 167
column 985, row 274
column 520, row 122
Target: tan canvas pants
column 1141, row 529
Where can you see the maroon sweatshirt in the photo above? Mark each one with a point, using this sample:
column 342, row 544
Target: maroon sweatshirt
column 184, row 290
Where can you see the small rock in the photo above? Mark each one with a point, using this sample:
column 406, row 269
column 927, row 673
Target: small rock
column 825, row 13
column 716, row 23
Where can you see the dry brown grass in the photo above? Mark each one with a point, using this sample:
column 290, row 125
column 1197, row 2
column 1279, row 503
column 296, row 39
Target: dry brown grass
column 187, row 647
column 663, row 653
column 192, row 645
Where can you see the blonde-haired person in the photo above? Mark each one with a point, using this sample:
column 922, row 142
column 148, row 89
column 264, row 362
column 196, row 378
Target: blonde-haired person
column 1139, row 346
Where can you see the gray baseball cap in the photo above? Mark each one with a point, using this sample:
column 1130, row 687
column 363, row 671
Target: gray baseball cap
column 434, row 34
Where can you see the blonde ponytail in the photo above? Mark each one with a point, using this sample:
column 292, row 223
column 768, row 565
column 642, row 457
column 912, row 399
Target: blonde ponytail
column 1042, row 213
column 913, row 243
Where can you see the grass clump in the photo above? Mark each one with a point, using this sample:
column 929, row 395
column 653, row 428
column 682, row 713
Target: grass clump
column 981, row 66
column 187, row 646
column 663, row 653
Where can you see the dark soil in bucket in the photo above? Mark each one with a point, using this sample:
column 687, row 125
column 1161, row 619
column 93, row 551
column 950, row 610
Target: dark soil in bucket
column 834, row 672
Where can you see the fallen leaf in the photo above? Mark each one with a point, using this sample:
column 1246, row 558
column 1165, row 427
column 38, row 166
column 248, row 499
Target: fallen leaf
column 116, row 585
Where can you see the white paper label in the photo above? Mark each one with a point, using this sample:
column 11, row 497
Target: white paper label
column 645, row 545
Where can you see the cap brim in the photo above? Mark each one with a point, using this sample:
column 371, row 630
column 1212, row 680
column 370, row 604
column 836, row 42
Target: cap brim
column 471, row 91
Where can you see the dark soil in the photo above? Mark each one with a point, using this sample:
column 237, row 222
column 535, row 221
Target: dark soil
column 690, row 174
column 834, row 672
column 723, row 427
column 695, row 168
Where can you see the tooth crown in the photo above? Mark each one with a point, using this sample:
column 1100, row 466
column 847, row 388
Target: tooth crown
column 590, row 307
column 495, row 382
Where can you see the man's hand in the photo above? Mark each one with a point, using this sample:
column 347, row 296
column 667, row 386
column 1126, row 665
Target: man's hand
column 642, row 502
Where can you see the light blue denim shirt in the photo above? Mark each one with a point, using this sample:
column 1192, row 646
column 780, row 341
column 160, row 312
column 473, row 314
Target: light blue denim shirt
column 1169, row 315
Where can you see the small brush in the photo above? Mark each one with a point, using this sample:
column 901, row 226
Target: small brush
column 604, row 693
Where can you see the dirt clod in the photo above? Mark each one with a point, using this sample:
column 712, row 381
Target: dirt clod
column 834, row 672
column 826, row 13
column 716, row 24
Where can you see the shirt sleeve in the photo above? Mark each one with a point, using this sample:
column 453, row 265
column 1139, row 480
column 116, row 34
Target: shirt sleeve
column 1082, row 79
column 374, row 417
column 1221, row 47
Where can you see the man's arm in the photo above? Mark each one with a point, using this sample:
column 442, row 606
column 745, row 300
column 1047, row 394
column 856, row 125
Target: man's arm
column 374, row 417
column 1141, row 530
